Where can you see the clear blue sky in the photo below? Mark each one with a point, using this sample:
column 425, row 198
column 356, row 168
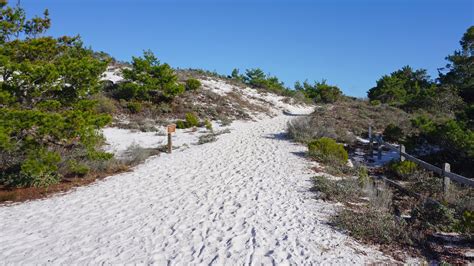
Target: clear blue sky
column 349, row 43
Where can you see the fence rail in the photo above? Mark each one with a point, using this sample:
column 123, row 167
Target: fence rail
column 445, row 172
column 458, row 178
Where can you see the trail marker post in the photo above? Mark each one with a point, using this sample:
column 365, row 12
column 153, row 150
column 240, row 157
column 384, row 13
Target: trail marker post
column 170, row 129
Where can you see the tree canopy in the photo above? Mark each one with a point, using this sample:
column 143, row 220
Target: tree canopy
column 148, row 78
column 46, row 117
column 319, row 91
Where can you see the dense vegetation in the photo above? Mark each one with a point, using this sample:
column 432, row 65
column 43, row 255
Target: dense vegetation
column 256, row 78
column 442, row 109
column 433, row 118
column 48, row 126
column 319, row 91
column 148, row 80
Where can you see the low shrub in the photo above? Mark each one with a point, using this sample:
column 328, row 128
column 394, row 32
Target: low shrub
column 78, row 168
column 362, row 176
column 380, row 196
column 134, row 107
column 104, row 105
column 225, row 121
column 466, row 223
column 393, row 133
column 208, row 125
column 347, row 119
column 181, row 124
column 402, row 169
column 40, row 169
column 192, row 84
column 425, row 183
column 346, row 189
column 325, row 149
column 375, row 102
column 373, row 225
column 207, row 138
column 135, row 154
column 434, row 216
column 191, row 120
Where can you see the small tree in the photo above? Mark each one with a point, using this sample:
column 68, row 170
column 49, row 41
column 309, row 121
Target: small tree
column 236, row 75
column 150, row 75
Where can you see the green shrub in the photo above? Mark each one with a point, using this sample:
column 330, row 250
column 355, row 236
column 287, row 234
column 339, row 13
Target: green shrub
column 191, row 120
column 126, row 91
column 466, row 223
column 402, row 169
column 325, row 149
column 147, row 76
column 105, row 105
column 181, row 124
column 375, row 102
column 208, row 125
column 134, row 107
column 45, row 118
column 319, row 91
column 40, row 168
column 192, row 84
column 49, row 105
column 393, row 133
column 363, row 176
column 99, row 155
column 78, row 168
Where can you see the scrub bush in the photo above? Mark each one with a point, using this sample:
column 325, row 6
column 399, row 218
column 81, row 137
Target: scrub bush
column 192, row 84
column 191, row 120
column 393, row 133
column 402, row 169
column 181, row 124
column 325, row 149
column 208, row 125
column 373, row 225
column 134, row 107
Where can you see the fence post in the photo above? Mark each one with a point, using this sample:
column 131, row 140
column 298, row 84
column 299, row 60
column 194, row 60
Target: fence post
column 446, row 180
column 402, row 150
column 371, row 147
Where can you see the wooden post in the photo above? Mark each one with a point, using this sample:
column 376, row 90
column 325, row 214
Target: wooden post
column 447, row 181
column 402, row 150
column 170, row 129
column 169, row 143
column 371, row 145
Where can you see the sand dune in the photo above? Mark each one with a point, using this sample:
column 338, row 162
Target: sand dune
column 242, row 199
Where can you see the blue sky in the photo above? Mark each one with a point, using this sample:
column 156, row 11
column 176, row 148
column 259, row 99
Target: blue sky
column 349, row 43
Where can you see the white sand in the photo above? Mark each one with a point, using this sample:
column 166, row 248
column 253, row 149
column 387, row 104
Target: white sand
column 118, row 139
column 242, row 199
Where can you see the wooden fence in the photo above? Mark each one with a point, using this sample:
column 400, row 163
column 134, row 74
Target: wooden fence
column 445, row 172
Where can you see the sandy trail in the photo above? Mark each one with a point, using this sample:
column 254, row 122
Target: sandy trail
column 241, row 200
